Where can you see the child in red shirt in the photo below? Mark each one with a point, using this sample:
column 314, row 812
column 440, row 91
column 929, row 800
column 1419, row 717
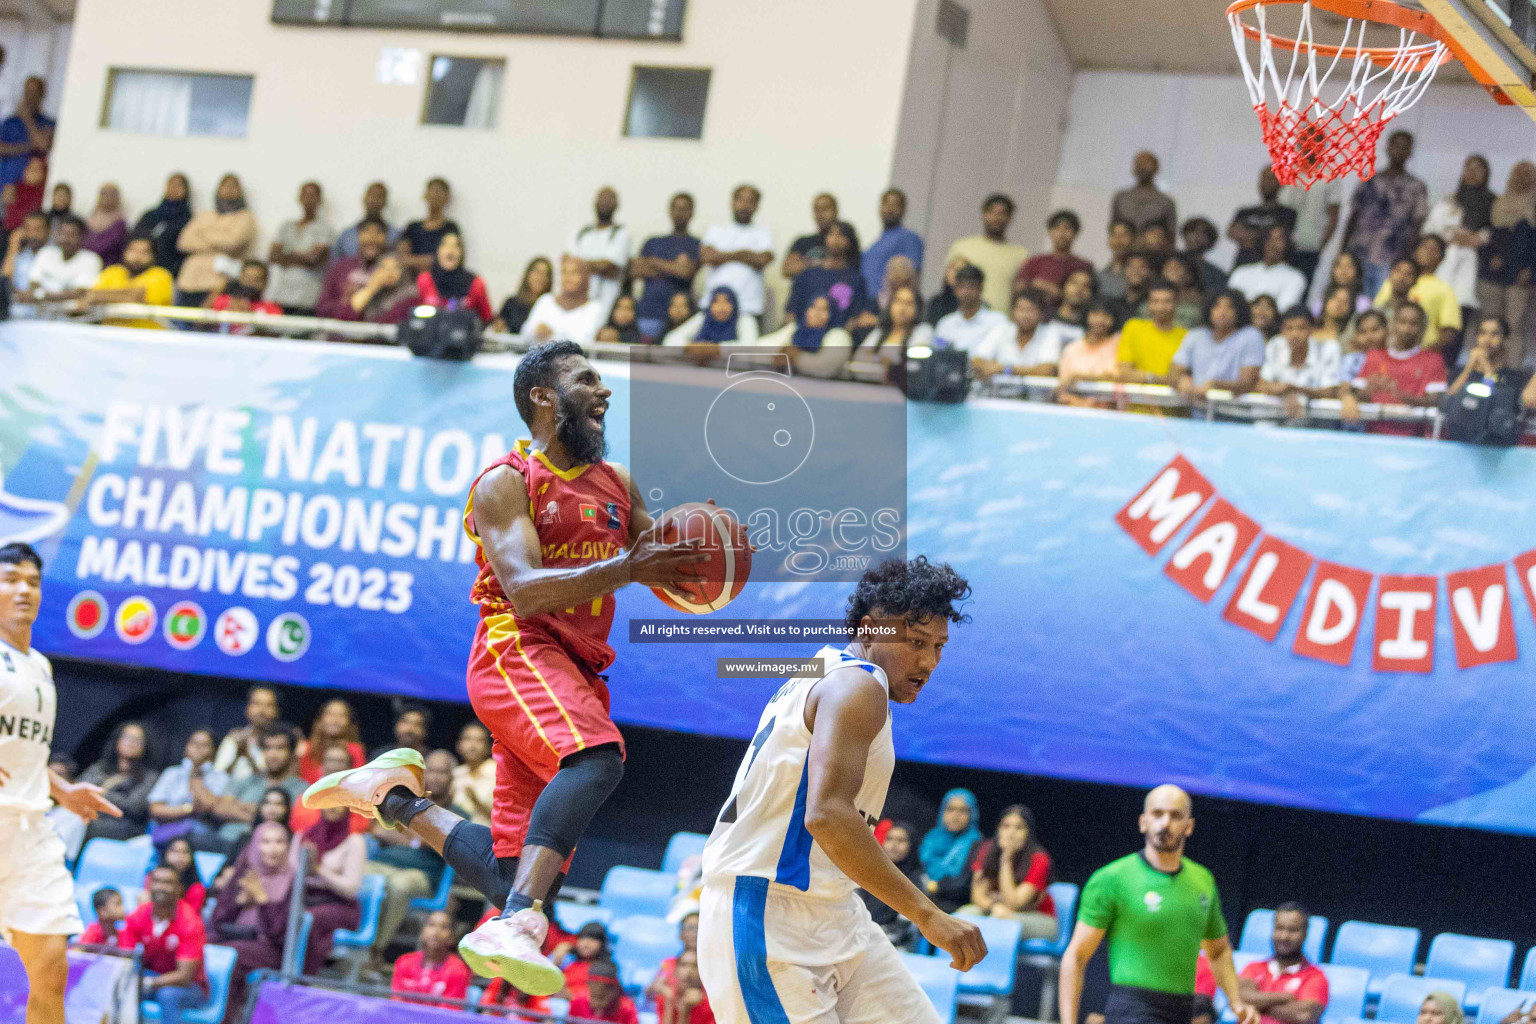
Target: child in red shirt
column 605, row 999
column 1404, row 373
column 109, row 918
column 686, row 1002
column 434, row 969
column 591, row 947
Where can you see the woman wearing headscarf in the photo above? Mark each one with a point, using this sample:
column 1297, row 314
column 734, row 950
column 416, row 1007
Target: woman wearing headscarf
column 1441, row 1008
column 948, row 850
column 718, row 322
column 215, row 241
column 449, row 285
column 163, row 223
column 335, row 876
column 1509, row 259
column 814, row 345
column 251, row 916
column 623, row 326
column 538, row 277
column 1462, row 220
column 106, row 229
column 1010, row 876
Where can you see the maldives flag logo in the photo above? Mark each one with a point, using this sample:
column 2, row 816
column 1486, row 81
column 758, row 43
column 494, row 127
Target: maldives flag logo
column 185, row 625
column 135, row 621
column 87, row 614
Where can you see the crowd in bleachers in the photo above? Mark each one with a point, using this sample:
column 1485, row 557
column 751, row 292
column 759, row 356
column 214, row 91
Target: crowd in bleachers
column 1449, row 283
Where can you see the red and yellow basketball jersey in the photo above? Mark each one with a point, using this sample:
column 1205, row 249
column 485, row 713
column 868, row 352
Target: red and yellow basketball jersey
column 582, row 516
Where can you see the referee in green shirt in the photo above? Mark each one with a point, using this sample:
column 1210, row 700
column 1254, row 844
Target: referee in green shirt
column 1158, row 909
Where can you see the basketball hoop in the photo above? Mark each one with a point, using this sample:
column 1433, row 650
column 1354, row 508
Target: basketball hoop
column 1321, row 132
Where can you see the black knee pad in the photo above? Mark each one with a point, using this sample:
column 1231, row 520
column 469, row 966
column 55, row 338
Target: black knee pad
column 572, row 798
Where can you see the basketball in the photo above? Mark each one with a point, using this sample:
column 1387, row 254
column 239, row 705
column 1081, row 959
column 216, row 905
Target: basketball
column 721, row 578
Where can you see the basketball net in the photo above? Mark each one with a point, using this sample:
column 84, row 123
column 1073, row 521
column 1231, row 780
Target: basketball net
column 1321, row 132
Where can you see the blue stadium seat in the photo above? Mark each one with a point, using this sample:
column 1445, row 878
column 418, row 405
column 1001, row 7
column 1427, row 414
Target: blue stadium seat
column 355, row 944
column 1498, row 1003
column 115, row 862
column 940, row 982
column 208, row 866
column 571, row 916
column 219, row 966
column 679, row 848
column 1380, row 948
column 1403, row 994
column 990, row 983
column 640, row 944
column 629, row 891
column 1481, row 963
column 1064, row 895
column 301, row 946
column 1346, row 992
column 438, row 900
column 1259, row 929
column 1528, row 972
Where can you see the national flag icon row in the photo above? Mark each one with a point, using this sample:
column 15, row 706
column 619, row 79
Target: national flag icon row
column 235, row 632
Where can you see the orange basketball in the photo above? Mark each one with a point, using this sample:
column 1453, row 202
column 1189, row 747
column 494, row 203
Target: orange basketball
column 730, row 559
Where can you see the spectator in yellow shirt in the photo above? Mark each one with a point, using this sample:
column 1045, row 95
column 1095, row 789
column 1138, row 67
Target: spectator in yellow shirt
column 136, row 279
column 1413, row 279
column 1147, row 344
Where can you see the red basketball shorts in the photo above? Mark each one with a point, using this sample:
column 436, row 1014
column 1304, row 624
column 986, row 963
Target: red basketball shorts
column 541, row 706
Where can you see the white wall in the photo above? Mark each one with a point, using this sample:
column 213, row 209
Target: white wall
column 795, row 109
column 988, row 118
column 1204, row 130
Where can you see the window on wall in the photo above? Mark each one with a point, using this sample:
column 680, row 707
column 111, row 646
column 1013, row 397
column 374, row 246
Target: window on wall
column 177, row 103
column 667, row 103
column 464, row 92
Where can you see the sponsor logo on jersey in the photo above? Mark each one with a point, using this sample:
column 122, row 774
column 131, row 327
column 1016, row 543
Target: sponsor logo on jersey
column 135, row 620
column 185, row 625
column 235, row 633
column 551, row 513
column 1154, row 901
column 87, row 614
column 288, row 637
column 613, row 516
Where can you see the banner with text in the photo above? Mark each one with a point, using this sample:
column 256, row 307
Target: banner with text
column 1325, row 620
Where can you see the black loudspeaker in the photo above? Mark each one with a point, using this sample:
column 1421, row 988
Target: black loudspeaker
column 1485, row 412
column 942, row 375
column 441, row 333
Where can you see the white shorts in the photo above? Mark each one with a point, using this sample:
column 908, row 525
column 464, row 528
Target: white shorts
column 37, row 896
column 767, row 956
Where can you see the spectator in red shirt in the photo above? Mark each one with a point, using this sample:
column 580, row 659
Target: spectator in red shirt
column 109, row 918
column 686, row 1003
column 605, row 999
column 1010, row 874
column 449, row 285
column 591, row 946
column 171, row 936
column 336, row 723
column 243, row 295
column 1205, row 991
column 178, row 856
column 1404, row 373
column 1286, row 989
column 663, row 986
column 434, row 969
column 1049, row 270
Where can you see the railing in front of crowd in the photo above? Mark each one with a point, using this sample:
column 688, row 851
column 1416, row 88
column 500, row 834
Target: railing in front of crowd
column 356, row 988
column 1217, row 405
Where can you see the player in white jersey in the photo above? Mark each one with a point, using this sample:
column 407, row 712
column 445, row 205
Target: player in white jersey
column 37, row 896
column 783, row 936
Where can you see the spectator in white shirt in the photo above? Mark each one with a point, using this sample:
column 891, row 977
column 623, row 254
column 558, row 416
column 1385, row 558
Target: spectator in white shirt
column 63, row 271
column 1298, row 366
column 970, row 324
column 299, row 255
column 570, row 314
column 604, row 247
column 736, row 253
column 1271, row 276
column 1026, row 345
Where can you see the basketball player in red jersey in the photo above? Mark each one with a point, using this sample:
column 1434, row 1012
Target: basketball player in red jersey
column 559, row 530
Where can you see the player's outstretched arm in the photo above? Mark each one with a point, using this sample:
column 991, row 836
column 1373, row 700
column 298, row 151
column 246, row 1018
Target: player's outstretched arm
column 511, row 544
column 83, row 798
column 846, row 711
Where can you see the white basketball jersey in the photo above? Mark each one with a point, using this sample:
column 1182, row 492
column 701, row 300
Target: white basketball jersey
column 761, row 830
column 27, row 704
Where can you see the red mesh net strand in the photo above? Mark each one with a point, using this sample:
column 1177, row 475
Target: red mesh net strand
column 1316, row 143
column 1322, row 106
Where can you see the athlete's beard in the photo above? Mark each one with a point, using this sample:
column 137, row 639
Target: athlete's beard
column 584, row 443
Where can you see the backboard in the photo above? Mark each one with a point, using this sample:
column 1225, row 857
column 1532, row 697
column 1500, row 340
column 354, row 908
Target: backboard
column 1496, row 40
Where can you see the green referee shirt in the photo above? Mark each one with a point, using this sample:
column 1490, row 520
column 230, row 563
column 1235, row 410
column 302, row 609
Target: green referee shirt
column 1155, row 921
